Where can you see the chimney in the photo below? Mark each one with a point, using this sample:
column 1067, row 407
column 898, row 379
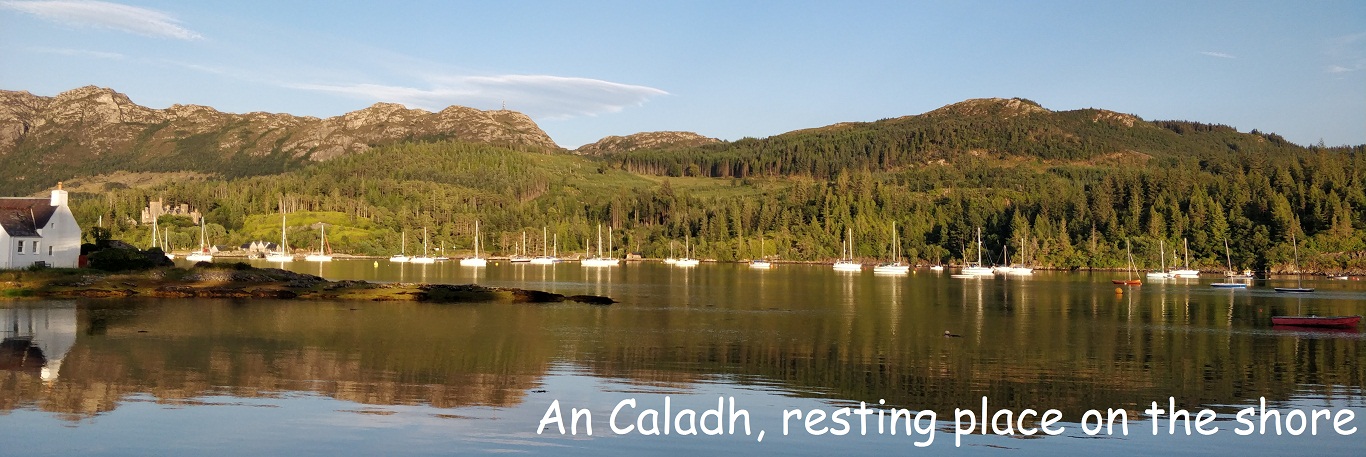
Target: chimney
column 58, row 196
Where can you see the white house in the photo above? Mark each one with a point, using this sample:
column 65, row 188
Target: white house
column 34, row 230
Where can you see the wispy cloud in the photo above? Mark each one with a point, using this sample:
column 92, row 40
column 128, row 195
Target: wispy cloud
column 79, row 53
column 131, row 19
column 1218, row 54
column 540, row 96
column 1348, row 52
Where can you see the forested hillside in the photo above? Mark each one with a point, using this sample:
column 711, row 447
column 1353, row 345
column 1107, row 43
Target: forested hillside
column 1066, row 188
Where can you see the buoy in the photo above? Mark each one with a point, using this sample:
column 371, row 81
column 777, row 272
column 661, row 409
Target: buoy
column 376, row 264
column 1119, row 290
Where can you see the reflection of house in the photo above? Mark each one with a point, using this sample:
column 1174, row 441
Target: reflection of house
column 157, row 208
column 37, row 339
column 38, row 230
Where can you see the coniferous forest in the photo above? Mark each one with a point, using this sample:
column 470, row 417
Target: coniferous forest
column 1067, row 189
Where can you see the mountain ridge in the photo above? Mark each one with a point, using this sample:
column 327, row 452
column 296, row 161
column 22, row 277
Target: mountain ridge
column 104, row 131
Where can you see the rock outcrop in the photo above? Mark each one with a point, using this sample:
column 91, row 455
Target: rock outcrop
column 645, row 140
column 94, row 125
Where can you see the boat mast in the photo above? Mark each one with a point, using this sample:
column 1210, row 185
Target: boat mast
column 1162, row 248
column 1185, row 247
column 1227, row 258
column 979, row 246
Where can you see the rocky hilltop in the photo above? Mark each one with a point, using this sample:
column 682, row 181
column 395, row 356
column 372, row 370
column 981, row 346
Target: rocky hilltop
column 104, row 131
column 645, row 140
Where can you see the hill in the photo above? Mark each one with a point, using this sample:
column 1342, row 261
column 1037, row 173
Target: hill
column 93, row 131
column 1070, row 188
column 645, row 140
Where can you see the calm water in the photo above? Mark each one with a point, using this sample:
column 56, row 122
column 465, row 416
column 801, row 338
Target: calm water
column 175, row 377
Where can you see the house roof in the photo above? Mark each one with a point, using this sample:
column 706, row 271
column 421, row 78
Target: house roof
column 23, row 216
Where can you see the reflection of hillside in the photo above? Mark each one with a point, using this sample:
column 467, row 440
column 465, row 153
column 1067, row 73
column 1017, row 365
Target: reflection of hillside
column 407, row 354
column 1071, row 348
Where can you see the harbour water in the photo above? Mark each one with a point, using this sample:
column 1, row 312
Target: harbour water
column 223, row 377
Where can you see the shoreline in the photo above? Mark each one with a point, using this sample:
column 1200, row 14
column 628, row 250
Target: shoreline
column 239, row 280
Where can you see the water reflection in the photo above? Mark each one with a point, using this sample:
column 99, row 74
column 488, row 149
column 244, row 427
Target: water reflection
column 1063, row 341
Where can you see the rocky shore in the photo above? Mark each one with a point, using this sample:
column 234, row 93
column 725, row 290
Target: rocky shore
column 242, row 281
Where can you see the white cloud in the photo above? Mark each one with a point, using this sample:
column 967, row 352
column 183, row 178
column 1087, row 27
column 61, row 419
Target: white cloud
column 79, row 53
column 1347, row 52
column 131, row 19
column 1218, row 54
column 539, row 96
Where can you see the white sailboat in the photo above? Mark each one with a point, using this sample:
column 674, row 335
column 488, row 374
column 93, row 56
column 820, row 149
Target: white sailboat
column 671, row 260
column 1187, row 272
column 1018, row 269
column 156, row 238
column 402, row 256
column 283, row 254
column 600, row 261
column 441, row 256
column 687, row 260
column 762, row 262
column 423, row 259
column 846, row 261
column 1230, row 274
column 521, row 257
column 977, row 269
column 895, row 267
column 203, row 254
column 546, row 258
column 1299, row 279
column 1161, row 274
column 475, row 261
column 323, row 254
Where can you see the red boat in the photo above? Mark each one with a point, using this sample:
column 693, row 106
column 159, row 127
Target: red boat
column 1317, row 321
column 1130, row 282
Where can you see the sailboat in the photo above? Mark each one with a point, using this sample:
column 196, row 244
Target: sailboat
column 323, row 254
column 203, row 254
column 156, row 238
column 1161, row 274
column 762, row 262
column 423, row 259
column 600, row 261
column 475, row 261
column 441, row 255
column 687, row 260
column 283, row 254
column 546, row 258
column 1130, row 281
column 978, row 269
column 1021, row 268
column 1230, row 274
column 1187, row 272
column 1299, row 286
column 1310, row 320
column 895, row 267
column 1246, row 274
column 671, row 260
column 521, row 257
column 846, row 261
column 402, row 256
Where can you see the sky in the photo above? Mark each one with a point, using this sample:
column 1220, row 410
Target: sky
column 726, row 69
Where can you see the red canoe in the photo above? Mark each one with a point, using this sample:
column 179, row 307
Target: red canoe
column 1317, row 321
column 1130, row 282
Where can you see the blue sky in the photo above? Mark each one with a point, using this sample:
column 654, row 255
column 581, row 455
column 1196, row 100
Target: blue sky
column 727, row 69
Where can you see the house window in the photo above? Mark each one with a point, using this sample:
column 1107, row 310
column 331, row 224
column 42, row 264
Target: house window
column 35, row 247
column 21, row 247
column 49, row 249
